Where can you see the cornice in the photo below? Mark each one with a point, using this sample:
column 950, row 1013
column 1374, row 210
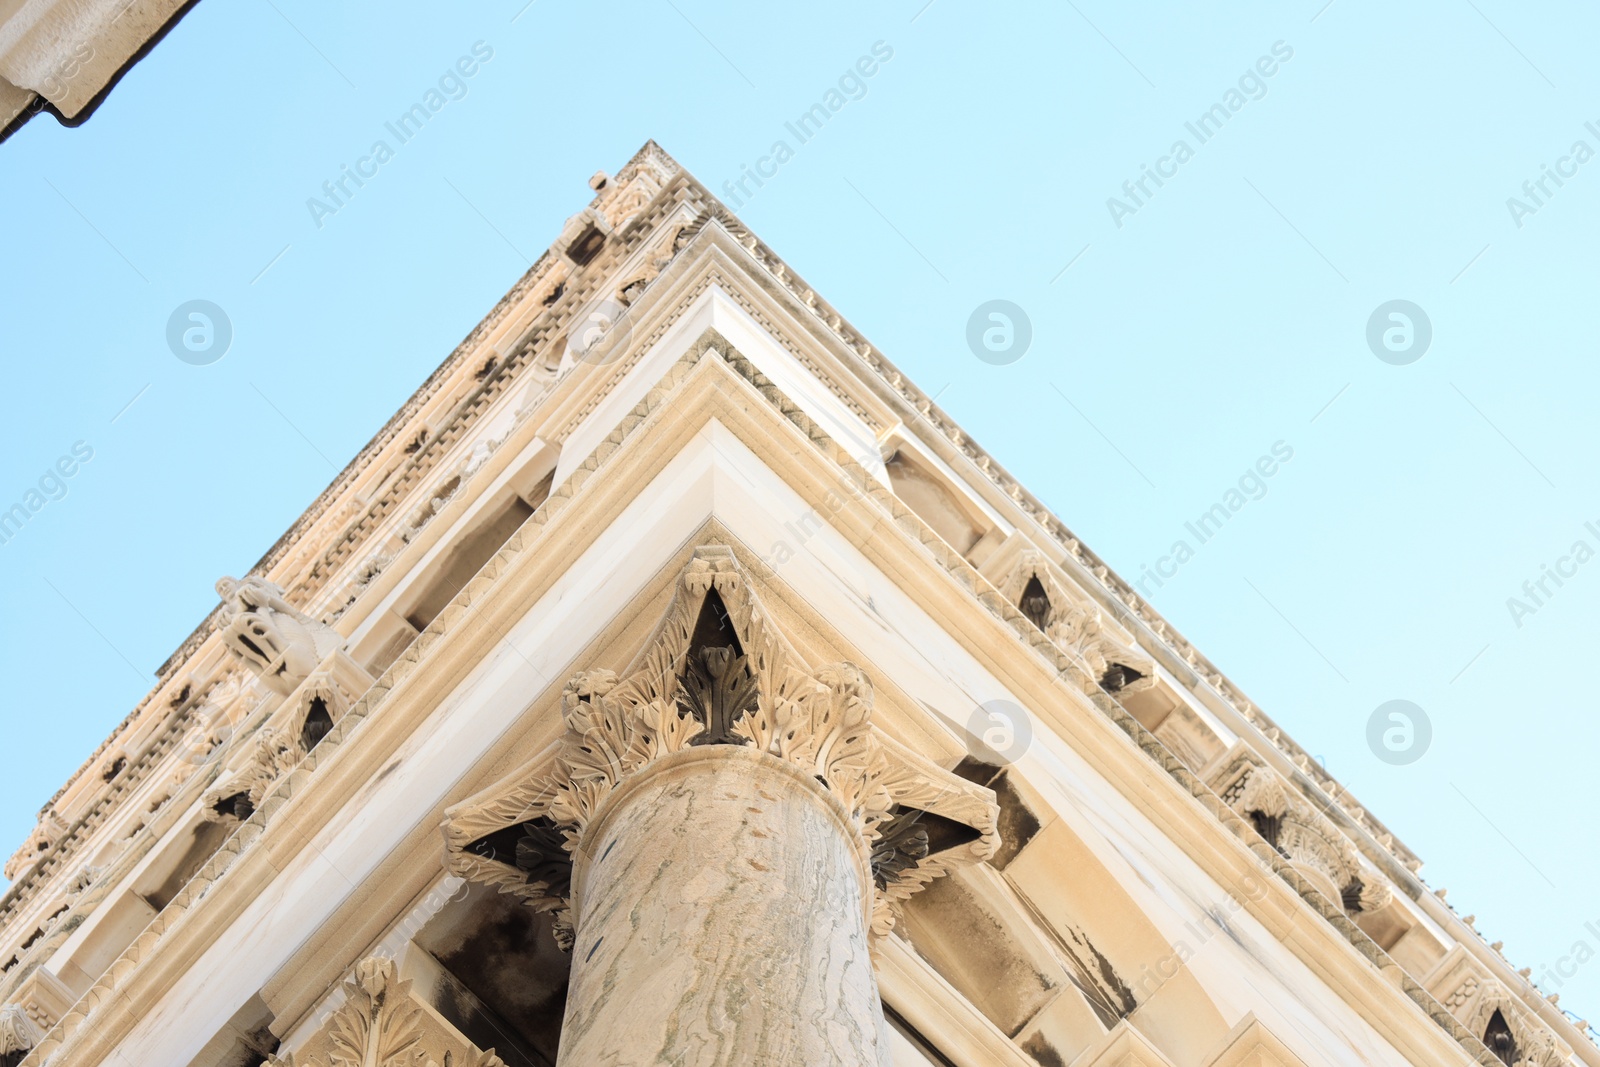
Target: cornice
column 1115, row 593
column 882, row 377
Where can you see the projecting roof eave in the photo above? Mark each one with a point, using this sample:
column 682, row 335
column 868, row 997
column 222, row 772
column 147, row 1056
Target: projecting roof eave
column 66, row 60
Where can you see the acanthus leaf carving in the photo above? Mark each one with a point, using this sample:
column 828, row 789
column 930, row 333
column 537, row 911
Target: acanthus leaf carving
column 1300, row 833
column 237, row 794
column 380, row 1024
column 1519, row 1039
column 1263, row 792
column 1075, row 626
column 901, row 844
column 750, row 689
column 718, row 689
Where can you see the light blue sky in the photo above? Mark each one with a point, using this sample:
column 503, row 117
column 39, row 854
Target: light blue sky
column 1228, row 313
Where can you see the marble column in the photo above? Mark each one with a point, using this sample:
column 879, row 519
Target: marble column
column 719, row 835
column 721, row 907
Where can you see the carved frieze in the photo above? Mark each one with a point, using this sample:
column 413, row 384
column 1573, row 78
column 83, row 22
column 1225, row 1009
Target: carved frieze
column 46, row 833
column 212, row 725
column 655, row 261
column 86, row 876
column 752, row 691
column 442, row 494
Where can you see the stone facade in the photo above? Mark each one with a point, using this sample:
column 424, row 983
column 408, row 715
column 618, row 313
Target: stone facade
column 620, row 703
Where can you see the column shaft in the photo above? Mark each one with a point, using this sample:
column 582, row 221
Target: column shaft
column 721, row 912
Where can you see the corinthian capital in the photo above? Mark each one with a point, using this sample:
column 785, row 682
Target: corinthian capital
column 716, row 672
column 380, row 1023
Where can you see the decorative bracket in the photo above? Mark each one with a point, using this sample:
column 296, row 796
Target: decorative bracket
column 289, row 734
column 1301, row 834
column 1076, row 627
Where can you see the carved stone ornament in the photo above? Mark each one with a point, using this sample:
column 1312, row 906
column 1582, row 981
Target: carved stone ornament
column 49, row 830
column 1301, row 834
column 380, row 1024
column 655, row 261
column 1075, row 627
column 319, row 703
column 18, row 1033
column 634, row 187
column 294, row 727
column 237, row 793
column 213, row 720
column 277, row 641
column 1531, row 1043
column 84, row 879
column 745, row 687
column 1262, row 791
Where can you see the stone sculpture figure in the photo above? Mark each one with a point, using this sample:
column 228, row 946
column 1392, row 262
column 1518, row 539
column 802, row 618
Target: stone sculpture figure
column 278, row 642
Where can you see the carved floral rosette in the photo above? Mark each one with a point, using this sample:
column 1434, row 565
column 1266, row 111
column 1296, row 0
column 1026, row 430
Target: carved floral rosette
column 1077, row 627
column 816, row 719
